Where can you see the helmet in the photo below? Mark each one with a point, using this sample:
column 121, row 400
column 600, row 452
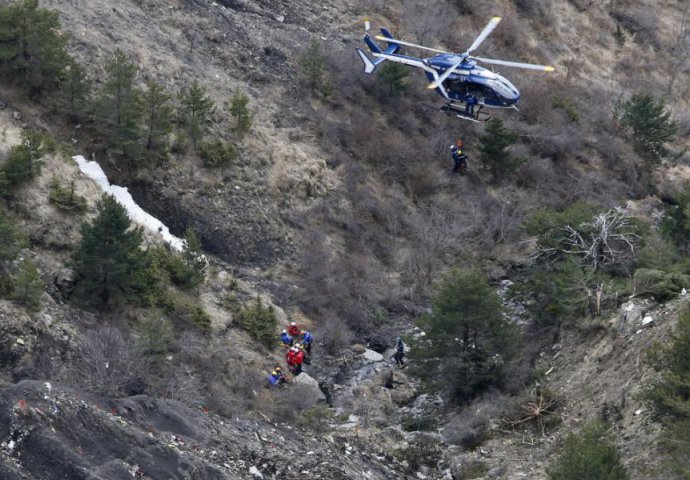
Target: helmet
column 284, row 331
column 293, row 324
column 277, row 369
column 459, row 142
column 274, row 373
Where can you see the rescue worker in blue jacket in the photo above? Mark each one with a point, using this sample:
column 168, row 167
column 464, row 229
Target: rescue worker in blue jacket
column 277, row 378
column 459, row 157
column 286, row 338
column 307, row 340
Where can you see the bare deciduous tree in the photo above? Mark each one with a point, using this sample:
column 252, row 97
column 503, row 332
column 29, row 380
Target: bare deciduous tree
column 605, row 241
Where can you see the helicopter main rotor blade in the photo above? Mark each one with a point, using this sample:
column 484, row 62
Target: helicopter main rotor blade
column 438, row 83
column 408, row 44
column 485, row 33
column 529, row 66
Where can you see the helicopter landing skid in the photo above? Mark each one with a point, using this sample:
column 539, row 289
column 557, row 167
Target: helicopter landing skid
column 460, row 111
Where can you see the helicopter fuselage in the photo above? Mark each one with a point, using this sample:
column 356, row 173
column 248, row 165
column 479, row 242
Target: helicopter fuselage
column 489, row 88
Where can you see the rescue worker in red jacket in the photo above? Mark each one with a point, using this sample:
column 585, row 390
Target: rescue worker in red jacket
column 293, row 330
column 299, row 360
column 292, row 361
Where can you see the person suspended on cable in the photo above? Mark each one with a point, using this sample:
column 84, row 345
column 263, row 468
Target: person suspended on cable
column 459, row 156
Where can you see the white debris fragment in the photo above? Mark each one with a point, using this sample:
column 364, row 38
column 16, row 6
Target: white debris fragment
column 255, row 472
column 637, row 412
column 49, row 386
column 647, row 320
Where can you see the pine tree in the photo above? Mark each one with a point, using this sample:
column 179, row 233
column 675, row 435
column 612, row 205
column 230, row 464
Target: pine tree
column 649, row 127
column 194, row 259
column 467, row 339
column 31, row 48
column 395, row 76
column 494, row 149
column 313, row 68
column 24, row 161
column 239, row 110
column 157, row 114
column 108, row 260
column 11, row 241
column 75, row 91
column 195, row 111
column 27, row 286
column 119, row 107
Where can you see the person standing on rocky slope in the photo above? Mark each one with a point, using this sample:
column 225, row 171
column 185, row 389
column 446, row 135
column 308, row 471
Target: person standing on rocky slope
column 399, row 352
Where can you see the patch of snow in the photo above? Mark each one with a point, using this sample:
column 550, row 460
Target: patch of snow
column 137, row 214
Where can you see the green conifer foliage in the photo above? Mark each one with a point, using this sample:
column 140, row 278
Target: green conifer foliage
column 468, row 339
column 157, row 115
column 109, row 261
column 119, row 107
column 27, row 286
column 313, row 69
column 11, row 241
column 195, row 111
column 589, row 454
column 259, row 321
column 32, row 50
column 239, row 110
column 669, row 396
column 649, row 127
column 395, row 76
column 75, row 91
column 194, row 258
column 494, row 149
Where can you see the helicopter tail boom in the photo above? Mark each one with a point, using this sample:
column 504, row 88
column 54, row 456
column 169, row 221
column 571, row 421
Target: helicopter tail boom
column 370, row 65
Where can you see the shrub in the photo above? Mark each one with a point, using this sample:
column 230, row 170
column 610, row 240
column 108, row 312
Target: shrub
column 259, row 321
column 669, row 395
column 155, row 333
column 107, row 362
column 589, row 454
column 239, row 110
column 216, row 153
column 468, row 339
column 313, row 70
column 65, row 198
column 661, row 285
column 316, row 418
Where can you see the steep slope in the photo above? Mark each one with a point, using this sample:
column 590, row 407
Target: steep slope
column 339, row 211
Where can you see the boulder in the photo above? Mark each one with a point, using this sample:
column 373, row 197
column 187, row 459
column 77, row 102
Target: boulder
column 371, row 356
column 630, row 315
column 311, row 388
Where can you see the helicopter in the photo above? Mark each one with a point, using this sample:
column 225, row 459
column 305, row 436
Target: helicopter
column 456, row 77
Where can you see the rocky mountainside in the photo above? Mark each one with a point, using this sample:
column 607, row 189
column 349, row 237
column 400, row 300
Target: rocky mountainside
column 339, row 213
